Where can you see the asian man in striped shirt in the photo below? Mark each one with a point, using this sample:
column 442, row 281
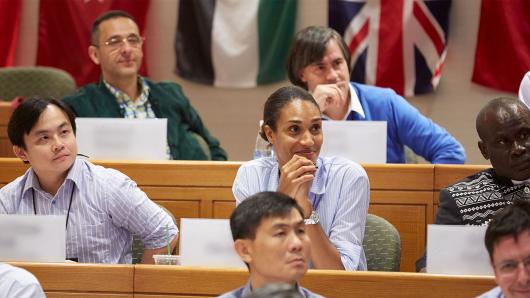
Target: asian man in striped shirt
column 103, row 207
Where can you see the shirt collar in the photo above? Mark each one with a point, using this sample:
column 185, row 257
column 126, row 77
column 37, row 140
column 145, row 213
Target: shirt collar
column 319, row 184
column 355, row 105
column 74, row 175
column 124, row 99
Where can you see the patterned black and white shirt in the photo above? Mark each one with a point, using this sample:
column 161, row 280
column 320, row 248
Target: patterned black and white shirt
column 475, row 199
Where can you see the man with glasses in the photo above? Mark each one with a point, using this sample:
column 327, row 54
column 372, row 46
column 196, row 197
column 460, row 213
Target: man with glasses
column 508, row 243
column 116, row 45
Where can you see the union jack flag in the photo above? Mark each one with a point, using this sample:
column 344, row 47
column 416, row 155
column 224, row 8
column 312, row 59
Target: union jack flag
column 399, row 44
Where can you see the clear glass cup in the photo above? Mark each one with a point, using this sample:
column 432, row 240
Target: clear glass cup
column 166, row 259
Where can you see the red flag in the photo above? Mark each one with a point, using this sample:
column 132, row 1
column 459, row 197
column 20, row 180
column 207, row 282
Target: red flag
column 64, row 33
column 503, row 44
column 10, row 11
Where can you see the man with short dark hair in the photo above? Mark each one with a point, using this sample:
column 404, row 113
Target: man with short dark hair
column 508, row 243
column 269, row 235
column 103, row 207
column 503, row 126
column 319, row 61
column 116, row 45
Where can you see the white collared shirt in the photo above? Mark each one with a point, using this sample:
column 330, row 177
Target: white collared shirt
column 517, row 182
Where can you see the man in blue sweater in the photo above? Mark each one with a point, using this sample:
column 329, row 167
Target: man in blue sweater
column 319, row 61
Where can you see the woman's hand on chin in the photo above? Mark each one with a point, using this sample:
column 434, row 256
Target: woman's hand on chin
column 296, row 178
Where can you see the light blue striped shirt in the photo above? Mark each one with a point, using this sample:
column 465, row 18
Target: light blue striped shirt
column 340, row 194
column 107, row 206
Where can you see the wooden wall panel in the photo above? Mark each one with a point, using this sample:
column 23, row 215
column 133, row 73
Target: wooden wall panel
column 181, row 209
column 400, row 176
column 93, row 280
column 223, row 209
column 446, row 175
column 153, row 281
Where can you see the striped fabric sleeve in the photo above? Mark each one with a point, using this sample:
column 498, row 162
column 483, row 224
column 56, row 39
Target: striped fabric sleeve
column 347, row 232
column 243, row 187
column 132, row 209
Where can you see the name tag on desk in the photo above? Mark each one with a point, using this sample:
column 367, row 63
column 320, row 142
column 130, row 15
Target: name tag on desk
column 359, row 141
column 455, row 249
column 32, row 238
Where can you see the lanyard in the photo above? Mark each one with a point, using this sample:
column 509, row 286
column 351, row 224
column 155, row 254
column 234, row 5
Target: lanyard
column 69, row 204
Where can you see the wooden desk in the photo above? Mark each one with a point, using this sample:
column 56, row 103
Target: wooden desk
column 151, row 281
column 174, row 281
column 61, row 280
column 402, row 194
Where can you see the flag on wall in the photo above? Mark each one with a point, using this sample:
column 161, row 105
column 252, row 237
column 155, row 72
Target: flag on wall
column 234, row 43
column 10, row 13
column 400, row 44
column 64, row 33
column 503, row 45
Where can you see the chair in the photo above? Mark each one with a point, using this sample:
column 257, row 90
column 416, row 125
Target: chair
column 35, row 81
column 381, row 244
column 137, row 248
column 410, row 156
column 202, row 143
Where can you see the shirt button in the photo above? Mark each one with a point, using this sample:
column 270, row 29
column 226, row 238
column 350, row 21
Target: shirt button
column 526, row 189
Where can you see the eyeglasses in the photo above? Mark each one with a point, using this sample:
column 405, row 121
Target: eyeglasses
column 511, row 267
column 117, row 42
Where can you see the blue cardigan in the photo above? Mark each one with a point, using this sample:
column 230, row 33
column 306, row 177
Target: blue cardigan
column 406, row 126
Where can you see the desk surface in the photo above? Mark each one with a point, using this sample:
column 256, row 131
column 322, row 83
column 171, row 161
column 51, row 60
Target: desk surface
column 143, row 281
column 82, row 280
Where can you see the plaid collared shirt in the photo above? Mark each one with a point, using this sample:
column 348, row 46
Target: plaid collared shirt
column 139, row 109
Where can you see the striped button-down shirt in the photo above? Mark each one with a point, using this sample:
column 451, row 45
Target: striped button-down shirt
column 340, row 194
column 106, row 208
